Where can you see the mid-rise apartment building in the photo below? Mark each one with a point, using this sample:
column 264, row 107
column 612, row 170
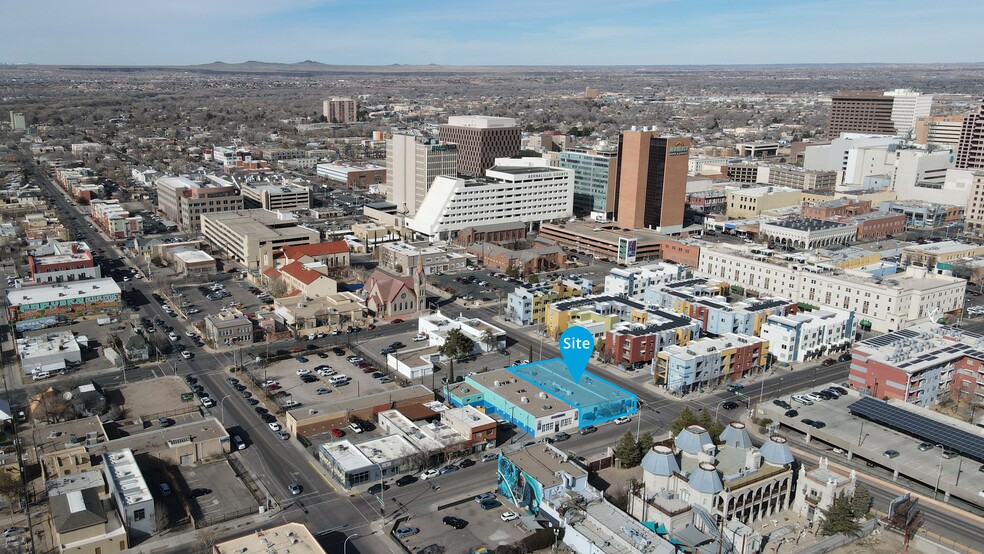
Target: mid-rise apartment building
column 527, row 305
column 69, row 262
column 881, row 304
column 634, row 282
column 635, row 343
column 709, row 361
column 184, row 201
column 706, row 301
column 341, row 110
column 114, row 219
column 514, row 190
column 481, row 140
column 922, row 364
column 809, row 335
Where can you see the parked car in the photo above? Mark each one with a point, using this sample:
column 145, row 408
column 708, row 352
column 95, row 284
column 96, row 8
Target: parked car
column 729, row 405
column 404, row 532
column 588, row 430
column 828, row 362
column 337, row 433
column 925, row 446
column 489, row 456
column 467, row 462
column 355, row 427
column 735, row 387
column 274, row 426
column 509, row 516
column 455, row 522
column 891, row 454
column 448, row 469
column 429, row 474
column 405, row 480
column 163, row 487
column 845, row 357
column 419, row 338
column 561, row 437
column 485, row 496
column 791, row 413
column 622, row 420
column 802, row 400
column 490, row 504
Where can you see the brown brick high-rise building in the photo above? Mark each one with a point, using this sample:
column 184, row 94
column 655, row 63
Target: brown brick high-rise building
column 970, row 151
column 651, row 181
column 481, row 140
column 860, row 112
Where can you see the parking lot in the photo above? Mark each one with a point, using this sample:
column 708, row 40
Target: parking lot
column 290, row 386
column 227, row 494
column 849, row 436
column 485, row 527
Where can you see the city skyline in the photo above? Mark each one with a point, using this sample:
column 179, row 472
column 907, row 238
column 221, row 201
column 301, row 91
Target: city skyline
column 508, row 32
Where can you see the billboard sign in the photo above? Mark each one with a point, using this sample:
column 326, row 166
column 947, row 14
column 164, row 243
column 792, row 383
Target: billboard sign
column 627, row 250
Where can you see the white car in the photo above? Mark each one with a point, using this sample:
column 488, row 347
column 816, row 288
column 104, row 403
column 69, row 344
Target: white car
column 173, row 337
column 269, row 382
column 509, row 516
column 274, row 426
column 190, row 333
column 418, row 338
column 208, row 402
column 303, row 372
column 326, row 372
column 430, row 473
column 355, row 427
column 802, row 400
column 186, row 355
column 621, row 420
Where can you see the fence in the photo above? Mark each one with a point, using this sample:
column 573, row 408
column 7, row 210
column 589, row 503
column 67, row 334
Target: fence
column 247, row 480
column 837, row 541
column 208, row 522
column 924, row 535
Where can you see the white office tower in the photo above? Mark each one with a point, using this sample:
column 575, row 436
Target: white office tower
column 413, row 161
column 514, row 190
column 907, row 107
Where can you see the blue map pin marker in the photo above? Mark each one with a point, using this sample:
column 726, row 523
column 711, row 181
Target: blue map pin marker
column 576, row 346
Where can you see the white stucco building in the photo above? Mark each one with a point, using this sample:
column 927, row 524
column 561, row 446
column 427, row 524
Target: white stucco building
column 887, row 304
column 633, row 282
column 437, row 326
column 808, row 233
column 515, row 190
column 809, row 335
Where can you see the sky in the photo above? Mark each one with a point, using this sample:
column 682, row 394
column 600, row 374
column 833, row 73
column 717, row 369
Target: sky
column 490, row 32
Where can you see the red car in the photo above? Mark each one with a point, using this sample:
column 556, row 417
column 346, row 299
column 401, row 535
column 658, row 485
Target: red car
column 337, row 433
column 395, row 321
column 371, row 326
column 273, row 387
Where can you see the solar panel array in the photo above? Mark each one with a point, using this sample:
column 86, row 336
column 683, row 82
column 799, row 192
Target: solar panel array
column 891, row 338
column 955, row 350
column 965, row 443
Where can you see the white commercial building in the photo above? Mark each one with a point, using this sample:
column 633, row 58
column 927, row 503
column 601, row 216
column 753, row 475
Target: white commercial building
column 129, row 491
column 907, row 107
column 513, row 191
column 809, row 335
column 834, row 156
column 808, row 233
column 887, row 304
column 437, row 326
column 48, row 352
column 412, row 164
column 632, row 283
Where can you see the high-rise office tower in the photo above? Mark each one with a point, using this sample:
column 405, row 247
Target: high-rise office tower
column 860, row 112
column 412, row 164
column 341, row 110
column 970, row 152
column 907, row 107
column 594, row 179
column 481, row 139
column 651, row 181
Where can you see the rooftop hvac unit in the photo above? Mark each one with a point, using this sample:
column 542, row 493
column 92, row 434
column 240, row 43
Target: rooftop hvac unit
column 524, row 399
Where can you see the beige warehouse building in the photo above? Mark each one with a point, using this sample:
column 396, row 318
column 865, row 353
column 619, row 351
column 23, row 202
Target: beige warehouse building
column 250, row 237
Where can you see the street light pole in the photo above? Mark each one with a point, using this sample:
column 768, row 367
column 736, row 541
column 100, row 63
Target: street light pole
column 348, row 538
column 222, row 409
column 382, row 492
column 940, row 474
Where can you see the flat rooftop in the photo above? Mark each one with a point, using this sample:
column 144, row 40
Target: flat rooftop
column 922, row 346
column 346, row 455
column 808, row 224
column 945, row 247
column 542, row 462
column 344, row 405
column 156, row 438
column 295, row 538
column 129, row 481
column 62, row 292
column 68, row 434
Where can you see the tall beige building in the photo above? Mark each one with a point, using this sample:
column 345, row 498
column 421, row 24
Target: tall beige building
column 412, row 164
column 941, row 130
column 184, row 201
column 341, row 110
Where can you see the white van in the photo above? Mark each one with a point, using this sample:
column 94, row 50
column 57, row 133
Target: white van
column 338, row 379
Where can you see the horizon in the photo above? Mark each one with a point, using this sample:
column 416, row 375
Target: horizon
column 656, row 33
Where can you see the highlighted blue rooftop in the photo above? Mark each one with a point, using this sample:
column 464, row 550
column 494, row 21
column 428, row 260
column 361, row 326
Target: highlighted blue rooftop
column 543, row 398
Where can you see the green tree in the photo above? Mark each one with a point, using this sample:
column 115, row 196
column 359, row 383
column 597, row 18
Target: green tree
column 644, row 444
column 861, row 501
column 839, row 518
column 685, row 418
column 533, row 278
column 713, row 426
column 627, row 451
column 512, row 272
column 457, row 345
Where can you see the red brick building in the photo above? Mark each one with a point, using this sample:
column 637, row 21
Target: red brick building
column 923, row 364
column 876, row 225
column 836, row 207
